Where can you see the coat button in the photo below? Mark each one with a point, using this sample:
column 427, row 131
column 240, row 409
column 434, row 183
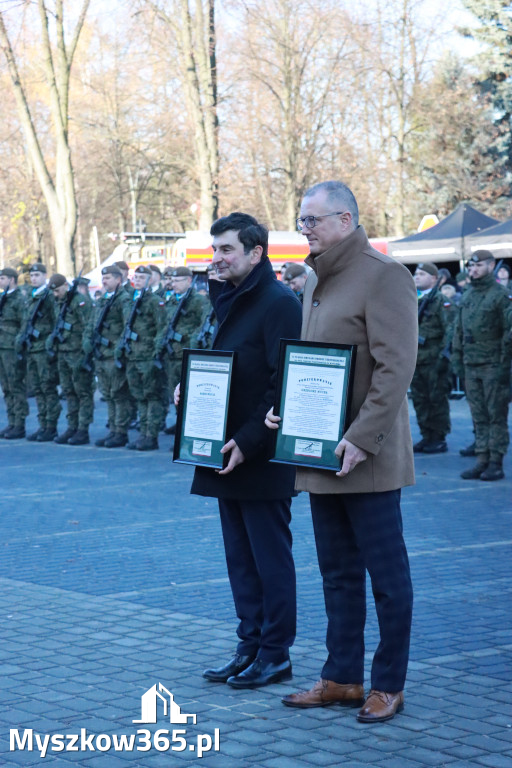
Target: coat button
column 379, row 438
column 316, row 303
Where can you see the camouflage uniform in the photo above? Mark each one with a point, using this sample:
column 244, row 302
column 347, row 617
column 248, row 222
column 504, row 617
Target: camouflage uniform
column 42, row 373
column 189, row 324
column 145, row 380
column 76, row 382
column 111, row 379
column 12, row 370
column 431, row 383
column 481, row 354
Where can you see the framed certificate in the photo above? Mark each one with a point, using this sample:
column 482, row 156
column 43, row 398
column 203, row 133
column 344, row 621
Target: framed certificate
column 203, row 409
column 314, row 388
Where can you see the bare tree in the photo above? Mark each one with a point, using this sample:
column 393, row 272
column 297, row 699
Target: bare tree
column 192, row 28
column 57, row 60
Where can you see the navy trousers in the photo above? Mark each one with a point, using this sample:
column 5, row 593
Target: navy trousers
column 355, row 533
column 258, row 545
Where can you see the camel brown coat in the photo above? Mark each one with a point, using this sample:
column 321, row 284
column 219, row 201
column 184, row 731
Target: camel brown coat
column 356, row 295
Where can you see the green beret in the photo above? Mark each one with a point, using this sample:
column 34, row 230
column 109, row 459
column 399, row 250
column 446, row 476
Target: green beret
column 429, row 267
column 142, row 270
column 9, row 272
column 479, row 256
column 56, row 281
column 112, row 269
column 182, row 272
column 37, row 267
column 122, row 265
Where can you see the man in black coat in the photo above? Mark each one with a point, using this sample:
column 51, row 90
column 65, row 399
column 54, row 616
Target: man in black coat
column 254, row 311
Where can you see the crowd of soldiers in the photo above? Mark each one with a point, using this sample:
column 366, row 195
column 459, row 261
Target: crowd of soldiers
column 130, row 340
column 466, row 334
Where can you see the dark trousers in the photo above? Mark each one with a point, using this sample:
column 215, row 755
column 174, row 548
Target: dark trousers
column 258, row 546
column 355, row 533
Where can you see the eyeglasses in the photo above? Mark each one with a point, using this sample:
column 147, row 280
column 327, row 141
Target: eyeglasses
column 311, row 221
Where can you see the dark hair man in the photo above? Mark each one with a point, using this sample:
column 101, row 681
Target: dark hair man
column 481, row 356
column 12, row 370
column 254, row 311
column 356, row 295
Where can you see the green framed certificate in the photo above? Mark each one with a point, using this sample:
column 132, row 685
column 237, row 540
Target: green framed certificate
column 201, row 423
column 314, row 388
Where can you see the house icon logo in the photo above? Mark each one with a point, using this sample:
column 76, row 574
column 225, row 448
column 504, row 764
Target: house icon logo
column 149, row 707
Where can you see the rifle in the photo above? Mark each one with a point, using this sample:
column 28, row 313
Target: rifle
column 3, row 299
column 97, row 339
column 124, row 347
column 497, row 268
column 172, row 334
column 31, row 332
column 207, row 330
column 61, row 324
column 424, row 306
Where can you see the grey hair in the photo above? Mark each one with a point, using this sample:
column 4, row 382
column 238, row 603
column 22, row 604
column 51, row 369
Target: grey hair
column 339, row 195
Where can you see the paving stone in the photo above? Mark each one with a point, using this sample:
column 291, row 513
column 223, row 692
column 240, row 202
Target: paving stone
column 109, row 606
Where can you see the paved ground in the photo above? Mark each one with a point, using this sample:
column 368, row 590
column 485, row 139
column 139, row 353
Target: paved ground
column 113, row 579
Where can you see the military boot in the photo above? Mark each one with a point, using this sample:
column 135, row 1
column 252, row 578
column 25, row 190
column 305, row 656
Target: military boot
column 147, row 443
column 35, row 435
column 475, row 472
column 15, row 433
column 117, row 440
column 65, row 437
column 47, row 435
column 81, row 437
column 469, row 450
column 101, row 442
column 494, row 469
column 6, row 430
column 418, row 447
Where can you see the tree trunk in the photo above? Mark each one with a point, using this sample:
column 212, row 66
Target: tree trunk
column 59, row 192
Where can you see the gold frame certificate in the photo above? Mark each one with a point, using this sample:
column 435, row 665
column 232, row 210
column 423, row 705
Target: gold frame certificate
column 201, row 423
column 314, row 388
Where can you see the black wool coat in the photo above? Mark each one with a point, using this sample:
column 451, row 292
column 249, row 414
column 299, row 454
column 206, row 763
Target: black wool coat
column 262, row 312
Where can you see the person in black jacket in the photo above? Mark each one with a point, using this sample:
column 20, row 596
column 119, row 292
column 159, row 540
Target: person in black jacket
column 255, row 311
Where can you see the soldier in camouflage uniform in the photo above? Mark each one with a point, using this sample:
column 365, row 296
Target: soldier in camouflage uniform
column 145, row 380
column 100, row 341
column 191, row 318
column 42, row 374
column 12, row 370
column 481, row 354
column 76, row 382
column 431, row 383
column 125, row 284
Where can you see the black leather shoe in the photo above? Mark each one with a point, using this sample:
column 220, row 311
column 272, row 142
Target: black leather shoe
column 234, row 667
column 262, row 673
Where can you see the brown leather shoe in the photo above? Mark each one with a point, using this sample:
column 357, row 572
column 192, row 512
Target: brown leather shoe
column 326, row 692
column 380, row 706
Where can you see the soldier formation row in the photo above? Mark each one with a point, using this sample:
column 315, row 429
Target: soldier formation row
column 471, row 340
column 131, row 339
